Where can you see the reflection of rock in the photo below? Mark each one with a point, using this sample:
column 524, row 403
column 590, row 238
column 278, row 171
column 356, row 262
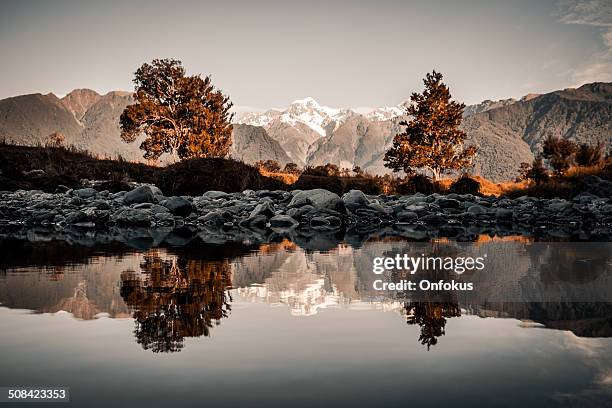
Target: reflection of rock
column 174, row 298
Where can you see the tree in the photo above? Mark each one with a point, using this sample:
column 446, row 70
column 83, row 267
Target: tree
column 432, row 139
column 587, row 155
column 523, row 172
column 560, row 153
column 181, row 115
column 537, row 173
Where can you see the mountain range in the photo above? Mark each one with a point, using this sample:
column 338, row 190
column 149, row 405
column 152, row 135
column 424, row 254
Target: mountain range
column 507, row 132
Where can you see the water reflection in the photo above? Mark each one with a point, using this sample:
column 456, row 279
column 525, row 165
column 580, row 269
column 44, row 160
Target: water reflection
column 178, row 292
column 176, row 298
column 431, row 318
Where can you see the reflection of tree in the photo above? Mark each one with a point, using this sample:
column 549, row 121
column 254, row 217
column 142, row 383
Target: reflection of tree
column 431, row 316
column 176, row 298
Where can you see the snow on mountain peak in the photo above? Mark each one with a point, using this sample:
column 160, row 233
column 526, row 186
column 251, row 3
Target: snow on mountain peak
column 305, row 111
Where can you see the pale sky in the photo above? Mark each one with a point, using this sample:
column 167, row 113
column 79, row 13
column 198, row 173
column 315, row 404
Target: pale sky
column 343, row 53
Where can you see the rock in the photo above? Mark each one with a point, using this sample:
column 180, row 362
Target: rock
column 504, row 214
column 559, row 205
column 132, row 217
column 283, row 221
column 179, row 206
column 433, row 220
column 62, row 189
column 318, row 198
column 448, row 203
column 85, row 193
column 164, row 219
column 74, row 217
column 264, row 209
column 258, row 222
column 100, row 204
column 214, row 195
column 476, row 209
column 213, row 218
column 419, row 209
column 407, row 216
column 355, row 199
column 142, row 194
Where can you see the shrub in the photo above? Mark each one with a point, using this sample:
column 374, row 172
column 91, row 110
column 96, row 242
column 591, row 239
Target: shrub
column 269, row 165
column 417, row 183
column 589, row 155
column 537, row 173
column 465, row 185
column 292, row 168
column 560, row 153
column 329, row 170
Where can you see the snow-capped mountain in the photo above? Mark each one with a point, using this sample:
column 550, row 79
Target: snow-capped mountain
column 305, row 124
column 298, row 126
column 306, row 111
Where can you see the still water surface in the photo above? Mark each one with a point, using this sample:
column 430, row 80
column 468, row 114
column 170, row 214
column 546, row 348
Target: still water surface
column 278, row 325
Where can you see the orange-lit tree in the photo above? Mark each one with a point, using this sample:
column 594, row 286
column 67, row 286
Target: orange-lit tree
column 185, row 116
column 432, row 140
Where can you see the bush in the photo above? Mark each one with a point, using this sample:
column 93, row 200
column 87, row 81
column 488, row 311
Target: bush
column 417, row 183
column 329, row 170
column 465, row 185
column 269, row 165
column 560, row 153
column 291, row 168
column 589, row 155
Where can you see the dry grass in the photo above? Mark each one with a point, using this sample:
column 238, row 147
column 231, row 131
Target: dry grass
column 286, row 178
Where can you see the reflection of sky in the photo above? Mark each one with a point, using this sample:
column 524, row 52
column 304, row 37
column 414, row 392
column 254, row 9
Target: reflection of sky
column 262, row 354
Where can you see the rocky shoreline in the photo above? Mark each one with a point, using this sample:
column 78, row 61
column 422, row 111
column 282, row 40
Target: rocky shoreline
column 145, row 217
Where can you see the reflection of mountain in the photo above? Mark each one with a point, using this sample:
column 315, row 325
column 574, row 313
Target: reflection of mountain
column 174, row 298
column 182, row 292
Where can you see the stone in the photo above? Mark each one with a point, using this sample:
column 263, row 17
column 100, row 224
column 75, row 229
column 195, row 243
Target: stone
column 433, row 219
column 100, row 204
column 355, row 199
column 283, row 221
column 178, row 206
column 448, row 203
column 407, row 216
column 318, row 198
column 504, row 214
column 476, row 209
column 559, row 205
column 74, row 217
column 132, row 217
column 214, row 195
column 264, row 209
column 142, row 194
column 85, row 193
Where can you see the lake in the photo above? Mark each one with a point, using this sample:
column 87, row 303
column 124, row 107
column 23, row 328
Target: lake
column 302, row 324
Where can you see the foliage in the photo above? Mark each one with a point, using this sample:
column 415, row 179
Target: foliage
column 559, row 153
column 416, row 183
column 328, row 170
column 432, row 139
column 537, row 173
column 268, row 165
column 465, row 185
column 181, row 115
column 587, row 155
column 292, row 168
